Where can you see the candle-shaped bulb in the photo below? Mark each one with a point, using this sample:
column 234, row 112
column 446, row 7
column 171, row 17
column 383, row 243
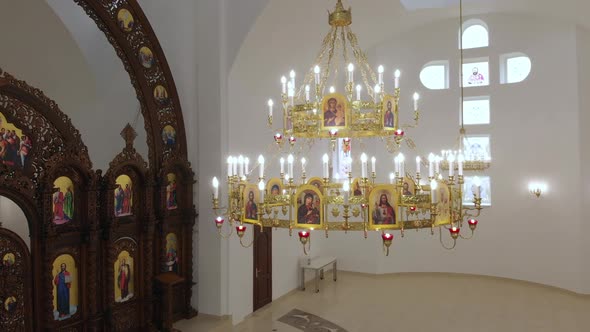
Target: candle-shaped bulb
column 380, row 69
column 363, row 165
column 261, row 159
column 332, row 89
column 282, row 162
column 373, row 161
column 270, row 104
column 418, row 161
column 315, row 111
column 303, row 161
column 316, row 69
column 307, row 88
column 247, row 165
column 402, row 158
column 326, row 171
column 230, row 161
column 431, row 157
column 261, row 165
column 358, row 91
column 377, row 89
column 215, row 188
column 346, row 186
column 292, row 74
column 261, row 185
column 416, row 98
column 283, row 80
column 433, row 194
column 391, row 177
column 290, row 160
column 350, row 72
column 396, row 76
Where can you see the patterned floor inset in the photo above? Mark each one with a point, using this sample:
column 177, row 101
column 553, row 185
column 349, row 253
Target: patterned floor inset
column 309, row 322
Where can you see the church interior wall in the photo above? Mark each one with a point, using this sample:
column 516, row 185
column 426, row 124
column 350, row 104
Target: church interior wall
column 519, row 236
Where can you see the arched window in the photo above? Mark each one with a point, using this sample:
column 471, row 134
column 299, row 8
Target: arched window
column 435, row 75
column 514, row 68
column 475, row 34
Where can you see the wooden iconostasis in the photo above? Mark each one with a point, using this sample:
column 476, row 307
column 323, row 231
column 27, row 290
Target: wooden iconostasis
column 92, row 242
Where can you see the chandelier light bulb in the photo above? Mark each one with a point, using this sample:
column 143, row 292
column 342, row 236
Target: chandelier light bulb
column 283, row 80
column 391, row 177
column 316, row 69
column 261, row 159
column 377, row 89
column 336, row 177
column 292, row 74
column 358, row 92
column 401, row 157
column 315, row 111
column 350, row 67
column 270, row 103
column 262, row 192
column 364, row 158
column 346, row 186
column 215, row 188
column 246, row 165
column 431, row 157
column 433, row 185
column 380, row 69
column 325, row 158
column 290, row 158
column 397, row 73
column 332, row 89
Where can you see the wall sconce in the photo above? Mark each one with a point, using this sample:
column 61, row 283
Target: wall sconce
column 537, row 188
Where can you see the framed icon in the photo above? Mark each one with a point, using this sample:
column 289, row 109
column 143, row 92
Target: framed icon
column 308, row 206
column 383, row 208
column 335, row 110
column 251, row 199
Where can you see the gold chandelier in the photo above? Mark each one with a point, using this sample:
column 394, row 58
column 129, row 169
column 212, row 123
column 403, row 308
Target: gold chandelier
column 315, row 110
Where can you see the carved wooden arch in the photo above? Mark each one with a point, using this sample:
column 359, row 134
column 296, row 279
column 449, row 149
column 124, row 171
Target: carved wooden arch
column 127, row 44
column 57, row 145
column 15, row 281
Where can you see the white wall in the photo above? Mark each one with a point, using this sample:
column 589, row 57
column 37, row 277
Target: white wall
column 14, row 219
column 583, row 54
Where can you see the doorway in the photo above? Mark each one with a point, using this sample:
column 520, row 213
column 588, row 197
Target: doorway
column 262, row 267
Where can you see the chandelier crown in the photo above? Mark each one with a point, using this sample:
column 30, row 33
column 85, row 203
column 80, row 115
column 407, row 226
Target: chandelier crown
column 340, row 17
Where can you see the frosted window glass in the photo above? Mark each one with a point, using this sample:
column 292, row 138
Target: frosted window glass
column 517, row 69
column 476, row 111
column 477, row 148
column 434, row 77
column 476, row 74
column 469, row 186
column 475, row 36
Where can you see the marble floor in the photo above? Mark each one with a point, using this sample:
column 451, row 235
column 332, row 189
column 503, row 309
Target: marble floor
column 419, row 302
